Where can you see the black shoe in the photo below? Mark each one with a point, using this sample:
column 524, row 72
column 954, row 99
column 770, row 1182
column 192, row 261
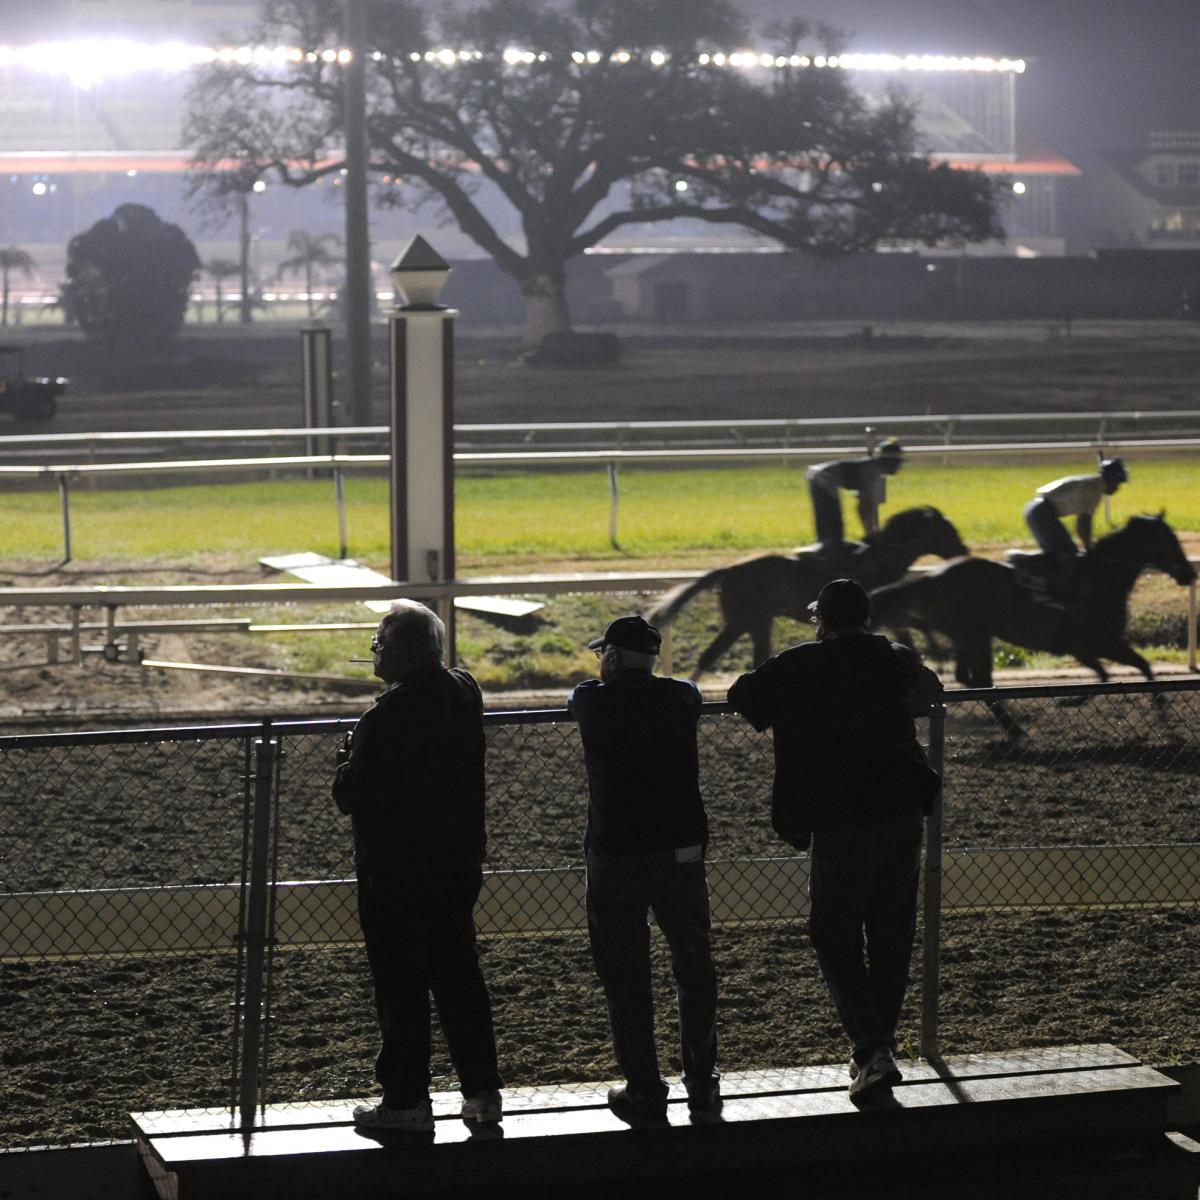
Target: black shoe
column 705, row 1100
column 635, row 1110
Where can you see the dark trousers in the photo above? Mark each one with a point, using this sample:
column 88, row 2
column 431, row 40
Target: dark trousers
column 621, row 890
column 864, row 884
column 827, row 513
column 420, row 937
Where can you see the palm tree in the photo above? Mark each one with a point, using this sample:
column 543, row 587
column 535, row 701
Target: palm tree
column 220, row 269
column 308, row 255
column 12, row 258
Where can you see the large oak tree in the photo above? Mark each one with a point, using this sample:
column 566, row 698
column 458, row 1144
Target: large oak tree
column 586, row 117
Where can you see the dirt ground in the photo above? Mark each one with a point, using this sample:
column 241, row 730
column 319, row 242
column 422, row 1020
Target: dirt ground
column 227, row 377
column 101, row 1037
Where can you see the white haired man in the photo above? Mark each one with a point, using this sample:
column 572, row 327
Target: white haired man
column 412, row 779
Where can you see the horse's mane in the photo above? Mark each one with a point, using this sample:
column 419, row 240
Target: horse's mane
column 1119, row 536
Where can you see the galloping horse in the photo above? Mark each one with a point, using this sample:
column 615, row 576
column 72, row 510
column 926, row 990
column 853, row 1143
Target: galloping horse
column 978, row 599
column 757, row 589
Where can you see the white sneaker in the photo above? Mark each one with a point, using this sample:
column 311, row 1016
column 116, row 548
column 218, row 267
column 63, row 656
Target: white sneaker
column 878, row 1074
column 485, row 1107
column 403, row 1120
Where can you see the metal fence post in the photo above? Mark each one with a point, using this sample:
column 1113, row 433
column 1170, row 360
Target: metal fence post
column 932, row 948
column 339, row 487
column 614, row 501
column 64, row 493
column 256, row 933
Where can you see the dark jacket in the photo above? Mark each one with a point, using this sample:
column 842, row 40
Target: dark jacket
column 414, row 782
column 643, row 767
column 842, row 712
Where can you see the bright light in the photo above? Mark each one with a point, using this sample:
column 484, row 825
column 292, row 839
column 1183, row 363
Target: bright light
column 87, row 63
column 1019, row 188
column 132, row 172
column 258, row 186
column 681, row 185
column 40, row 189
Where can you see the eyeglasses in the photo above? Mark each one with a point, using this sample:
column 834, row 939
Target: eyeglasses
column 377, row 644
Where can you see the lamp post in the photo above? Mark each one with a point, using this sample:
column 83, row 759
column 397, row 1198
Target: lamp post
column 421, row 397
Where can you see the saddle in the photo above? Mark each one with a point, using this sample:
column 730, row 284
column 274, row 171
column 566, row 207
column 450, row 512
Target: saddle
column 1049, row 581
column 833, row 560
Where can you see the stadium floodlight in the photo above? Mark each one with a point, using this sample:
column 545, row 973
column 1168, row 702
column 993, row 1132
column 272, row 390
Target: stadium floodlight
column 90, row 62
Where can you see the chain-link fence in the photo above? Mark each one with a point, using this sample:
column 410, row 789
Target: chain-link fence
column 179, row 919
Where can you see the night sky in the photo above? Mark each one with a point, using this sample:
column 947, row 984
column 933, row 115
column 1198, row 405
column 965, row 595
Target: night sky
column 1102, row 72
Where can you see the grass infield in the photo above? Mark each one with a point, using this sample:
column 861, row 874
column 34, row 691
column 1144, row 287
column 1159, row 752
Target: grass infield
column 701, row 515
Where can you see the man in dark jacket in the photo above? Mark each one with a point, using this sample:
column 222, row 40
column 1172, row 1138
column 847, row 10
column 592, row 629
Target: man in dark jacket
column 412, row 779
column 851, row 778
column 645, row 843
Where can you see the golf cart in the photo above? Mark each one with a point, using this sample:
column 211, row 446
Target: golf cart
column 26, row 399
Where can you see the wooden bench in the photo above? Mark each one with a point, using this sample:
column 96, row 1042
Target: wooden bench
column 1064, row 1121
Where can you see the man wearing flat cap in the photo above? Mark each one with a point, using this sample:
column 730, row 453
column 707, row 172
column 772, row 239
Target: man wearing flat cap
column 851, row 780
column 645, row 842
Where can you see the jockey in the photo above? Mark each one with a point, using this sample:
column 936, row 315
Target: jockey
column 1072, row 496
column 866, row 477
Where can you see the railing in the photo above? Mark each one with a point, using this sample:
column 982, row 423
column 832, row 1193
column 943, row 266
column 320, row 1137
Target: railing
column 941, row 429
column 211, row 861
column 113, row 598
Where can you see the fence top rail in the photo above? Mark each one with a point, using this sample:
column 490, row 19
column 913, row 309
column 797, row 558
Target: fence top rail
column 543, row 716
column 139, row 736
column 535, row 458
column 892, row 420
column 118, row 596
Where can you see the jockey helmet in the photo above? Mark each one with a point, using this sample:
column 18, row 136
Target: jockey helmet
column 1113, row 471
column 890, row 448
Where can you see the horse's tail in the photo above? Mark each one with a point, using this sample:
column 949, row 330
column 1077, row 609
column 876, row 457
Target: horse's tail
column 892, row 604
column 676, row 598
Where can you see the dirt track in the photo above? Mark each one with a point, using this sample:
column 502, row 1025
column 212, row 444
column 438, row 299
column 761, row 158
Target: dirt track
column 102, row 1037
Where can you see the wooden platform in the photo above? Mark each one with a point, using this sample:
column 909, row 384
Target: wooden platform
column 976, row 1125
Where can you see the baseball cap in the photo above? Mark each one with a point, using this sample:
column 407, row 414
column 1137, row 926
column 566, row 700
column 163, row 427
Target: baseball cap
column 629, row 633
column 842, row 602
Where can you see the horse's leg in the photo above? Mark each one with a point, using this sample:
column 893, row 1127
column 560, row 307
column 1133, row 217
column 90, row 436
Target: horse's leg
column 760, row 632
column 976, row 661
column 1126, row 655
column 716, row 648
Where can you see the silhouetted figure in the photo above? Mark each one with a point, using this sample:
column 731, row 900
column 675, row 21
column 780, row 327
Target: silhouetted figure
column 851, row 780
column 412, row 778
column 866, row 477
column 1072, row 496
column 645, row 843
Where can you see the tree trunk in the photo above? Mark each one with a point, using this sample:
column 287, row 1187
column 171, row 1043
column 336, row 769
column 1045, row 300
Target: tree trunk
column 545, row 307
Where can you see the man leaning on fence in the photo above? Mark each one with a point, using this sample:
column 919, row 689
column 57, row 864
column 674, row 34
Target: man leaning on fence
column 851, row 780
column 645, row 842
column 412, row 779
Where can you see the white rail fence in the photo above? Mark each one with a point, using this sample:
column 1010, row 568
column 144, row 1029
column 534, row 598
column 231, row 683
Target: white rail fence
column 111, row 599
column 63, row 474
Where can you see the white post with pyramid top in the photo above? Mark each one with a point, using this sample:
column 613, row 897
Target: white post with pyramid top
column 421, row 350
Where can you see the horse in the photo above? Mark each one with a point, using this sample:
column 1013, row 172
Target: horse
column 975, row 600
column 757, row 589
